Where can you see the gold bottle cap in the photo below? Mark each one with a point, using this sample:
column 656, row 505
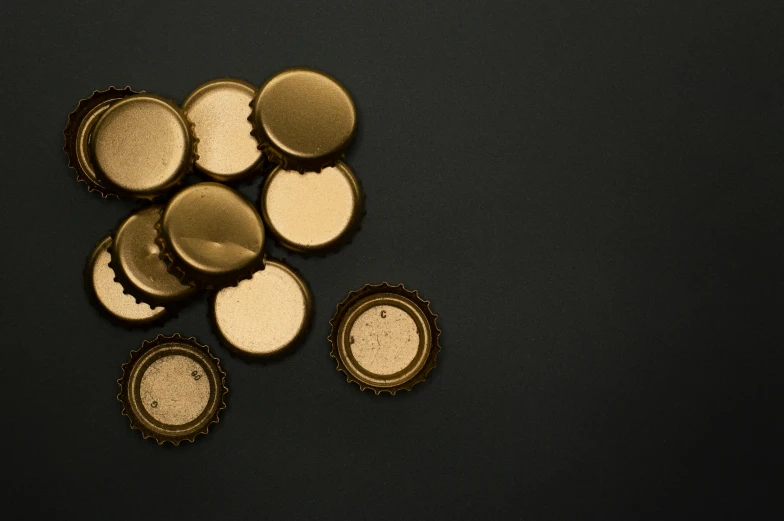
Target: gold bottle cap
column 110, row 295
column 172, row 389
column 265, row 314
column 219, row 111
column 142, row 146
column 303, row 119
column 384, row 338
column 211, row 235
column 137, row 262
column 311, row 211
column 77, row 135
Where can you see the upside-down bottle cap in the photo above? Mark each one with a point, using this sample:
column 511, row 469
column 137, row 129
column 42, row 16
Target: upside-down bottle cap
column 172, row 389
column 385, row 338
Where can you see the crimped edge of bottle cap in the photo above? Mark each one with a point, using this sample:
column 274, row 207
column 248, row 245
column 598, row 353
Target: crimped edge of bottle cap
column 123, row 382
column 412, row 295
column 278, row 157
column 71, row 131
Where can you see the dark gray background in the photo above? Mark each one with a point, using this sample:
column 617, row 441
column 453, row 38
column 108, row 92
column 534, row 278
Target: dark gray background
column 590, row 197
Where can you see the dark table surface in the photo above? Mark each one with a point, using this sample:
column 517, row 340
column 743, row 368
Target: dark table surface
column 590, row 197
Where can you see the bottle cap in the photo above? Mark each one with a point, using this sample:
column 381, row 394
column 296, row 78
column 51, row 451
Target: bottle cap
column 110, row 295
column 137, row 263
column 172, row 389
column 303, row 119
column 211, row 235
column 77, row 135
column 266, row 314
column 385, row 338
column 142, row 146
column 311, row 211
column 219, row 111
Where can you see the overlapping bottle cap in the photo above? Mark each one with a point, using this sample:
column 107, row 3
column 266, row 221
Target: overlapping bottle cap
column 303, row 119
column 142, row 146
column 211, row 235
column 200, row 235
column 137, row 262
column 219, row 111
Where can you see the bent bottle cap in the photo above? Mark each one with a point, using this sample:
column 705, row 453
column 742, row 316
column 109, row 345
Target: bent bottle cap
column 211, row 235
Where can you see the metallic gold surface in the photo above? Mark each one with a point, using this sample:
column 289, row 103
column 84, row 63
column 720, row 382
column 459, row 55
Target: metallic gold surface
column 137, row 263
column 385, row 338
column 303, row 119
column 311, row 211
column 172, row 389
column 219, row 111
column 211, row 235
column 78, row 130
column 110, row 294
column 142, row 146
column 266, row 314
